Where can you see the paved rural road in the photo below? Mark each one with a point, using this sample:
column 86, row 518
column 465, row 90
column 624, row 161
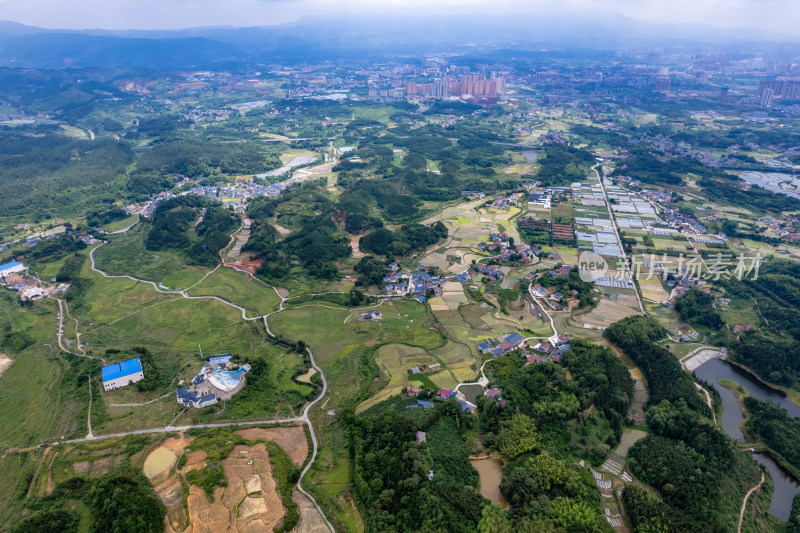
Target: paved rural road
column 616, row 234
column 313, row 438
column 304, row 418
column 554, row 337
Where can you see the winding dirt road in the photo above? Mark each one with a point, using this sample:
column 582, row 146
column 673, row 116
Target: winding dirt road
column 302, row 419
column 746, row 497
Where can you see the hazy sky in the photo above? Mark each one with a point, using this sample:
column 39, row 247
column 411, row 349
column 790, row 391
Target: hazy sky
column 779, row 16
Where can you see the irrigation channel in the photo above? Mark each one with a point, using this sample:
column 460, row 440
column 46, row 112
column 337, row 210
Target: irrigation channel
column 786, row 487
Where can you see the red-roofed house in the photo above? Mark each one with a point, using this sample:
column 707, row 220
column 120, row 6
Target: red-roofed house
column 446, row 393
column 494, row 391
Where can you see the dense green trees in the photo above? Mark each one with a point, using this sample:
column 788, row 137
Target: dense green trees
column 774, row 354
column 754, row 197
column 101, row 217
column 389, row 473
column 646, row 513
column 194, row 158
column 124, row 501
column 316, row 244
column 516, row 436
column 176, row 225
column 603, row 380
column 55, row 175
column 793, row 525
column 51, row 521
column 55, row 248
column 697, row 308
column 773, row 425
column 665, row 377
column 406, row 239
column 262, row 238
column 563, row 165
column 686, row 458
column 372, row 270
column 546, row 494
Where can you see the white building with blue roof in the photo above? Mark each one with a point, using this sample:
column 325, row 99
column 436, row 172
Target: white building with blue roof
column 11, row 268
column 120, row 374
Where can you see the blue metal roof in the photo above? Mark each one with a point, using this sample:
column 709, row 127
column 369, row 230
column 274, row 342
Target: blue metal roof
column 12, row 264
column 513, row 338
column 122, row 369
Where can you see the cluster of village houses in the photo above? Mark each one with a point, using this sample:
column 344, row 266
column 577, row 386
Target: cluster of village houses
column 414, row 284
column 544, row 351
column 681, row 286
column 500, row 246
column 504, row 202
column 236, row 195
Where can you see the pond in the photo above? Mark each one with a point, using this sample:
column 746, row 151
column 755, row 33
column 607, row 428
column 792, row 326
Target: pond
column 159, row 460
column 530, row 155
column 629, row 438
column 786, row 487
column 471, row 391
column 491, row 475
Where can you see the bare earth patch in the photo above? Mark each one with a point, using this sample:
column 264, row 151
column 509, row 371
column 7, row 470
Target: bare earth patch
column 310, row 519
column 5, row 362
column 233, row 509
column 171, row 494
column 357, row 253
column 177, row 445
column 306, row 378
column 292, row 439
column 195, row 457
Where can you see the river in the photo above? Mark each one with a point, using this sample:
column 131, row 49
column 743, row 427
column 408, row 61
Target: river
column 713, row 370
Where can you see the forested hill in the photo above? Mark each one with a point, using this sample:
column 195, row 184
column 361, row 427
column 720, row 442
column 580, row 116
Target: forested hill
column 183, row 224
column 539, row 431
column 695, row 467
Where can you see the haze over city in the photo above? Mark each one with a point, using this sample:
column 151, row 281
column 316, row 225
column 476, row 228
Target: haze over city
column 408, row 266
column 777, row 16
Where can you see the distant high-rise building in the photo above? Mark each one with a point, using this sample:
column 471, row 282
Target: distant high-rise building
column 787, row 88
column 662, row 84
column 440, row 88
column 765, row 97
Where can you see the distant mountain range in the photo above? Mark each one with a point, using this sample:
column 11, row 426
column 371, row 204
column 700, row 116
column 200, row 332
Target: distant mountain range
column 317, row 38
